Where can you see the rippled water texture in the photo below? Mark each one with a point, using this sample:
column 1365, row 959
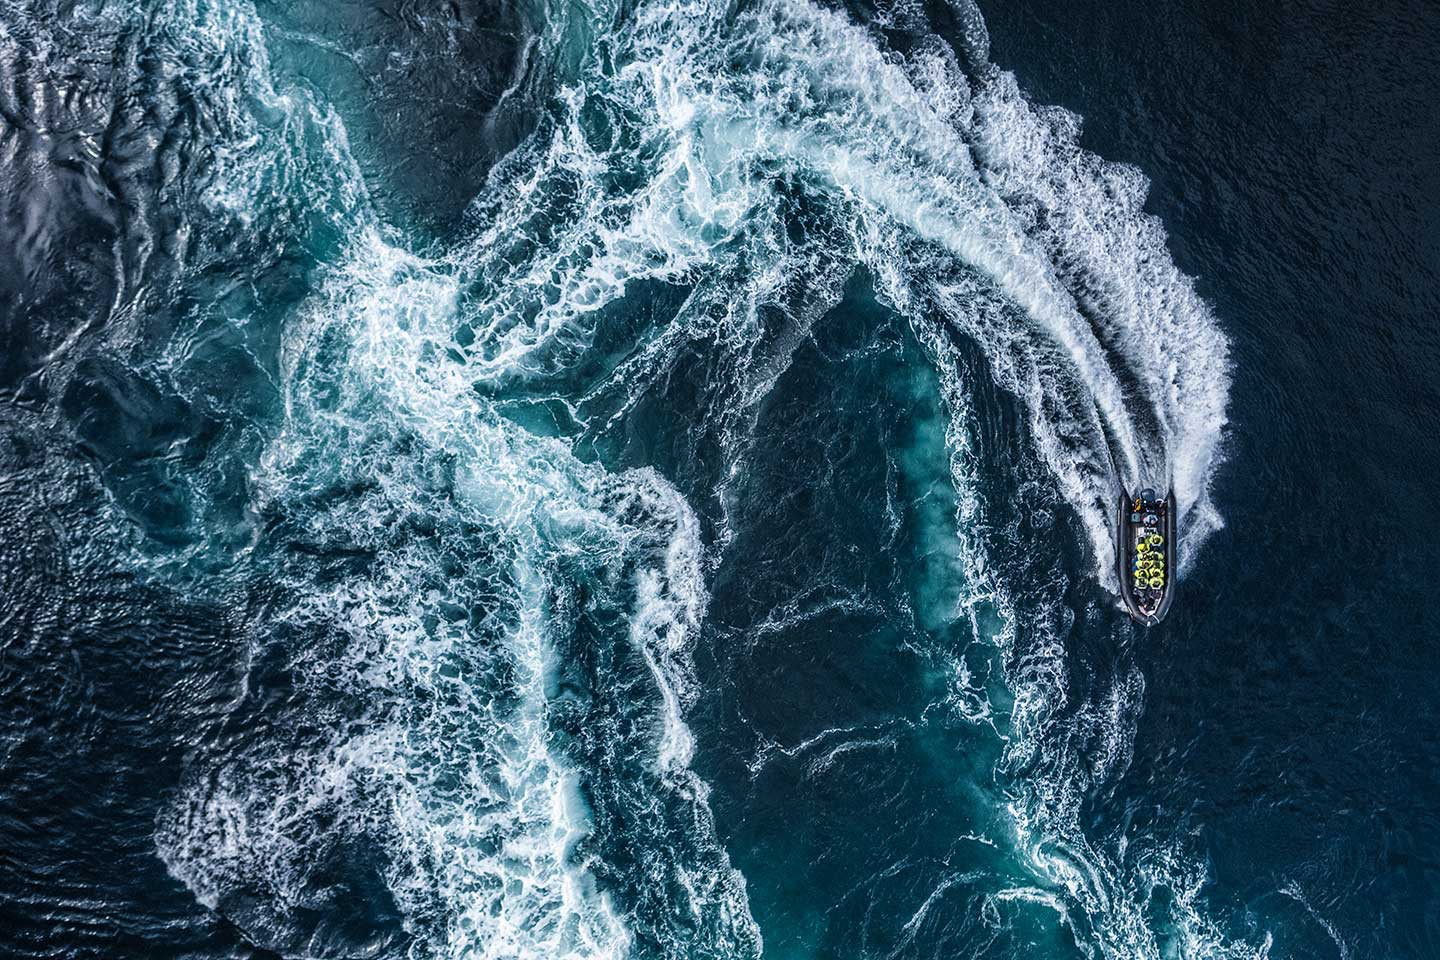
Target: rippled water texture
column 635, row 480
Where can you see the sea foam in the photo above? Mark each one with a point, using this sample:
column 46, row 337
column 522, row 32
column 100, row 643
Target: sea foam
column 488, row 560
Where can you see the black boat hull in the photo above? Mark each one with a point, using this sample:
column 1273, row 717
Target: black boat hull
column 1125, row 556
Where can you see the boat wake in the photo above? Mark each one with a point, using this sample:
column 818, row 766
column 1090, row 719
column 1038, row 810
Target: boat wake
column 472, row 640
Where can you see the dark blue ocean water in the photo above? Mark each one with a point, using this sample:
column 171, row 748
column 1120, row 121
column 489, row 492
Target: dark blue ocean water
column 634, row 480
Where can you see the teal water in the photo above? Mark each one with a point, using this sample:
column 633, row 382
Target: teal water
column 596, row 481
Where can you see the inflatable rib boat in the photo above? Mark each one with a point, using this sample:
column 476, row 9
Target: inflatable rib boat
column 1146, row 554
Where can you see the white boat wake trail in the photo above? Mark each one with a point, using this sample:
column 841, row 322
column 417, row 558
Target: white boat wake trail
column 496, row 557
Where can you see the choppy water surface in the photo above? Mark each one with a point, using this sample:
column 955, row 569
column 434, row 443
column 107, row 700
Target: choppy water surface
column 635, row 480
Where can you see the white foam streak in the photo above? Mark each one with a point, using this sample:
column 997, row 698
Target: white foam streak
column 670, row 603
column 482, row 819
column 1125, row 385
column 529, row 897
column 888, row 148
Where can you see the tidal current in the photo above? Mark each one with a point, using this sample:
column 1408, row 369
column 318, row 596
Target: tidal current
column 636, row 480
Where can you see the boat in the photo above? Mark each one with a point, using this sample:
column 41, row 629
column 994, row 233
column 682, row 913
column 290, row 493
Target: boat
column 1145, row 554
